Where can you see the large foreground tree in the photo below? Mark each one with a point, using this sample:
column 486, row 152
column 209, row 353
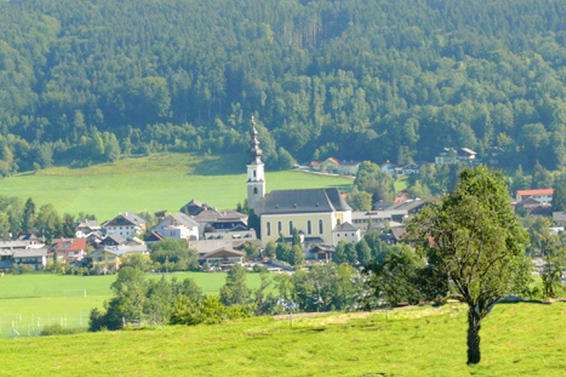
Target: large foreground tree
column 474, row 240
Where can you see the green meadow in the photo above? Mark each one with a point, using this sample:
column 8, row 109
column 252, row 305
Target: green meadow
column 517, row 340
column 152, row 183
column 30, row 302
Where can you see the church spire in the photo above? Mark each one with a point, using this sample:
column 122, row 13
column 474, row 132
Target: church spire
column 255, row 152
column 256, row 174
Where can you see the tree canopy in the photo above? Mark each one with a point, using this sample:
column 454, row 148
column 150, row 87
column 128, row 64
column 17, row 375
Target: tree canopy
column 84, row 81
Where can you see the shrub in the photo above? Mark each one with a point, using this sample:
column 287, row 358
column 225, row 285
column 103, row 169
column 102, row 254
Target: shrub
column 57, row 329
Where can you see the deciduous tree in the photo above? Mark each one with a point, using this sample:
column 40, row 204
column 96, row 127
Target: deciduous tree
column 235, row 291
column 477, row 244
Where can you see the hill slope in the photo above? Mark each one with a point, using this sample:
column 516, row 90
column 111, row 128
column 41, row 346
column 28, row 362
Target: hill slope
column 520, row 339
column 157, row 182
column 83, row 80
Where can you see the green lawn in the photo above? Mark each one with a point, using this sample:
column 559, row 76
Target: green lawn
column 34, row 300
column 157, row 182
column 517, row 340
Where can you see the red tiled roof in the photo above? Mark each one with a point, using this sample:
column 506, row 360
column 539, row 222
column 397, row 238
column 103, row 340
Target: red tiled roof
column 70, row 244
column 401, row 197
column 535, row 192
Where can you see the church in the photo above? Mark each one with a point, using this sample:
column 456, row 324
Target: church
column 321, row 216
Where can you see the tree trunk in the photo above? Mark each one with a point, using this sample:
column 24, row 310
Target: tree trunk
column 474, row 320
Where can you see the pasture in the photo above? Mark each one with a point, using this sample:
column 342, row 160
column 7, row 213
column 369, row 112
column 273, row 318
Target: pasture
column 152, row 183
column 30, row 302
column 517, row 339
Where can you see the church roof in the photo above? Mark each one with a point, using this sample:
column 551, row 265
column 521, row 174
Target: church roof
column 304, row 201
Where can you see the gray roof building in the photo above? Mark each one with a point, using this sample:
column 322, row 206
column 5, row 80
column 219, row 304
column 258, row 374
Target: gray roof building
column 304, row 201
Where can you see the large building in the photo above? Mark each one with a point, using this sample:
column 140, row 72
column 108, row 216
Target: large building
column 314, row 213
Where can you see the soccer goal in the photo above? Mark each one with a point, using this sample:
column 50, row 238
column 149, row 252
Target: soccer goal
column 67, row 293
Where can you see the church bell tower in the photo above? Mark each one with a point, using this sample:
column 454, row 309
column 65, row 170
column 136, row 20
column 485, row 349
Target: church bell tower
column 256, row 176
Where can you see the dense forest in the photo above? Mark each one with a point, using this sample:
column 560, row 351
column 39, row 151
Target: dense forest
column 87, row 81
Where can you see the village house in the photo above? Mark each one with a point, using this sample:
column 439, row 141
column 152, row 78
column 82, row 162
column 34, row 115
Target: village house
column 346, row 232
column 412, row 168
column 110, row 258
column 211, row 219
column 225, row 256
column 334, row 166
column 68, row 249
column 125, row 224
column 463, row 157
column 30, row 251
column 86, row 228
column 36, row 259
column 322, row 252
column 543, row 196
column 178, row 226
column 388, row 167
column 394, row 235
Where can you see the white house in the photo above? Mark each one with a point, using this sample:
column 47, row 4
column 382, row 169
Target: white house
column 543, row 196
column 178, row 226
column 346, row 232
column 126, row 225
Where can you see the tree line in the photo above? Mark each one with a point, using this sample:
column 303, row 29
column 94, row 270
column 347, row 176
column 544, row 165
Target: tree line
column 24, row 218
column 85, row 82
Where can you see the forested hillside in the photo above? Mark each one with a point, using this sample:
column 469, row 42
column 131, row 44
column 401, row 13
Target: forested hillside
column 84, row 81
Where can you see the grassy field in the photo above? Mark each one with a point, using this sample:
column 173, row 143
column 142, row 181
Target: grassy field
column 30, row 302
column 517, row 340
column 153, row 183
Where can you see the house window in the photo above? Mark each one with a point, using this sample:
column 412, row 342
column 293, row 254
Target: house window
column 309, row 227
column 290, row 227
column 279, row 227
column 320, row 227
column 268, row 226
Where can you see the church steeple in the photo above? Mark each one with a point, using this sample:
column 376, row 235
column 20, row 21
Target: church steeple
column 256, row 176
column 255, row 151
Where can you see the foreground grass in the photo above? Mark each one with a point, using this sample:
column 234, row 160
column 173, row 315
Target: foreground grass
column 152, row 183
column 517, row 339
column 30, row 302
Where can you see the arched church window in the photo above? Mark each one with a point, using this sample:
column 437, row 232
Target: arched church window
column 268, row 228
column 320, row 227
column 309, row 227
column 255, row 190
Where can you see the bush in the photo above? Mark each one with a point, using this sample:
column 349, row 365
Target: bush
column 259, row 268
column 21, row 269
column 57, row 329
column 209, row 311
